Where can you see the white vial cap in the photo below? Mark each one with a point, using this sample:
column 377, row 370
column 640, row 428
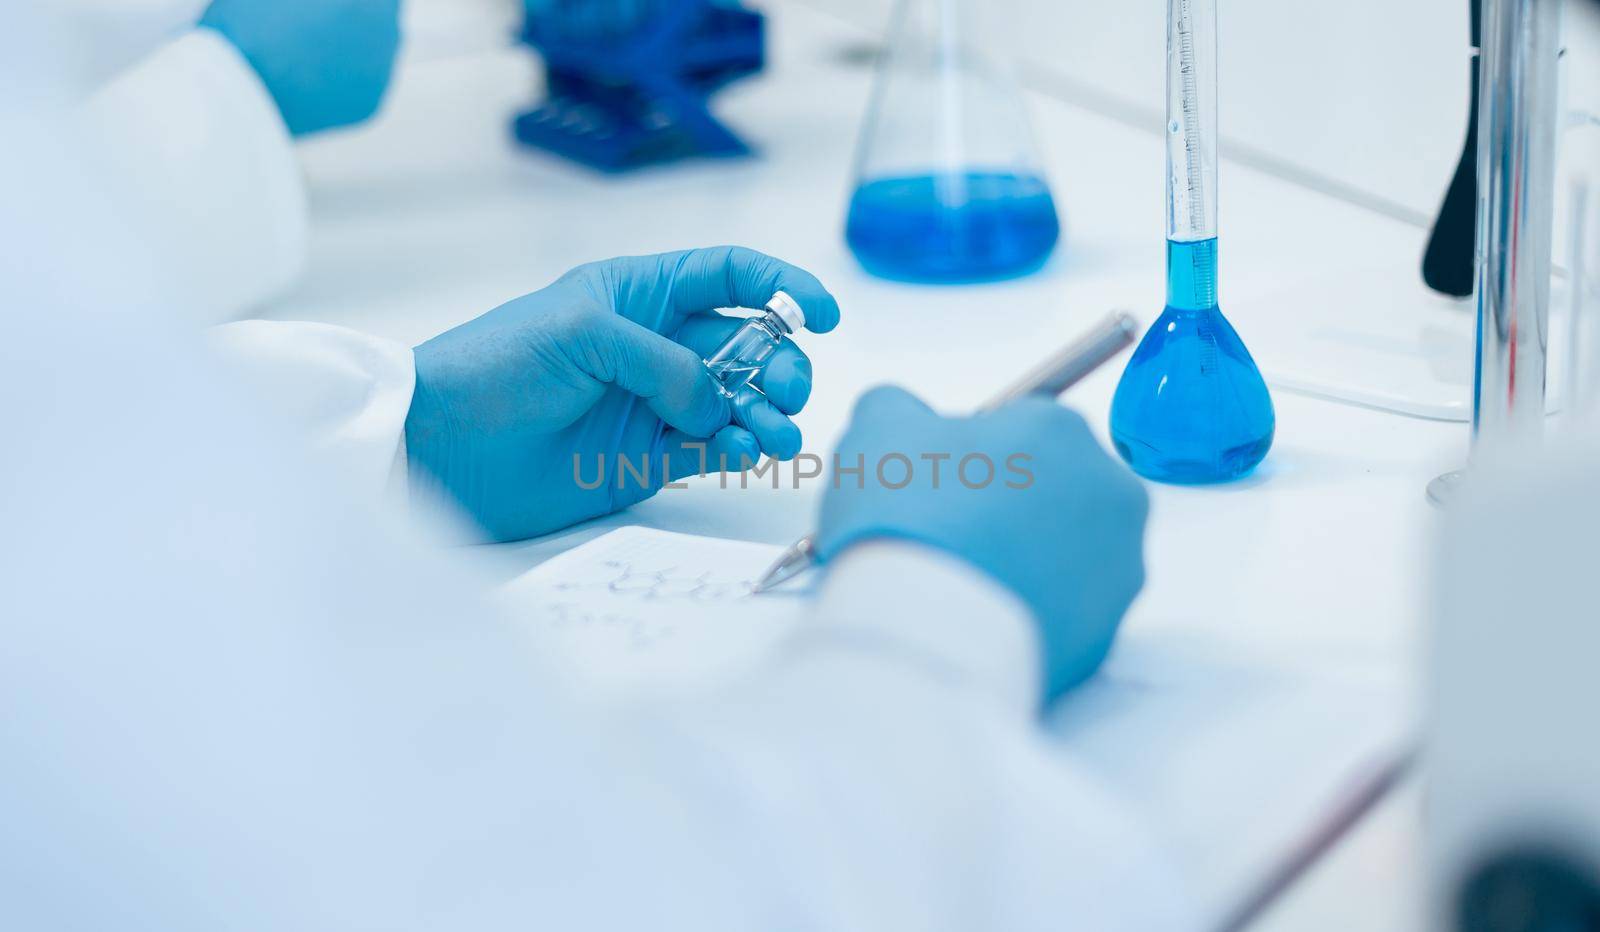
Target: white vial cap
column 788, row 311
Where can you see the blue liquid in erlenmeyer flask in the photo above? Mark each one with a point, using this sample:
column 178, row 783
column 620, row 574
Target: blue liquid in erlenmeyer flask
column 967, row 227
column 1192, row 406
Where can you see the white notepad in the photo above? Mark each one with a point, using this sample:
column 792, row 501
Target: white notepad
column 645, row 609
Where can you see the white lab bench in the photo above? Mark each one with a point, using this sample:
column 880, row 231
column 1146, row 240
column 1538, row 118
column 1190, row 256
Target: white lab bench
column 1319, row 561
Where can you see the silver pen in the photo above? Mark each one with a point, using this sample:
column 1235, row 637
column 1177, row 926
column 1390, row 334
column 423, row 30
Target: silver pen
column 1050, row 378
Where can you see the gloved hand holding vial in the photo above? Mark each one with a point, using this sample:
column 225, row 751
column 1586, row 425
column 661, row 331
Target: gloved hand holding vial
column 610, row 362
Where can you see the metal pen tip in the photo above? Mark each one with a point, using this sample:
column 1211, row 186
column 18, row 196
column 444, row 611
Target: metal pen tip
column 794, row 561
column 766, row 583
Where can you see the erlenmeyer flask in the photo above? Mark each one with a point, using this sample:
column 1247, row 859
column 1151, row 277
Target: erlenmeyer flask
column 947, row 187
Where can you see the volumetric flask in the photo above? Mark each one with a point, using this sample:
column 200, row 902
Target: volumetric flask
column 947, row 186
column 1192, row 406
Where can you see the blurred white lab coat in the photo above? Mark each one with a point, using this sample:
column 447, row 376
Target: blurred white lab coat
column 192, row 146
column 236, row 693
column 192, row 151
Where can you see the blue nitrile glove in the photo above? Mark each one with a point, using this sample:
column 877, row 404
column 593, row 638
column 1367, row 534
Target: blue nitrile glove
column 517, row 411
column 1060, row 523
column 327, row 63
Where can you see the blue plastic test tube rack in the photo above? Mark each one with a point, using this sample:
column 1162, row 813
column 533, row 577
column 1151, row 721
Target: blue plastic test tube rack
column 642, row 97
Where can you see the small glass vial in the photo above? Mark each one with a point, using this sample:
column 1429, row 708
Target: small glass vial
column 741, row 358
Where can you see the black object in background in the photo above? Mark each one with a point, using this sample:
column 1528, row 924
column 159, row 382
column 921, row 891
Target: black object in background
column 1529, row 890
column 1448, row 266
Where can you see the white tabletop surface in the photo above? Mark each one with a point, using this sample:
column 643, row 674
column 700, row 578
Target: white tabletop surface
column 1318, row 563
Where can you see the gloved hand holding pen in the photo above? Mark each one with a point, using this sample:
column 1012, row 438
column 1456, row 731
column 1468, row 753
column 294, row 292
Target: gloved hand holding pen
column 1042, row 509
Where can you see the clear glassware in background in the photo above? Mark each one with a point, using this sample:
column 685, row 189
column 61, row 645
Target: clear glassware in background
column 1582, row 388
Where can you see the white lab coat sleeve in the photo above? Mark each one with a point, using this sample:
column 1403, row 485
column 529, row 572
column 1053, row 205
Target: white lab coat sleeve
column 961, row 624
column 229, row 693
column 889, row 771
column 885, row 770
column 346, row 394
column 197, row 160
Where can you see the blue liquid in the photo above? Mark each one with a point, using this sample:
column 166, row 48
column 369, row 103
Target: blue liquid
column 1192, row 406
column 969, row 227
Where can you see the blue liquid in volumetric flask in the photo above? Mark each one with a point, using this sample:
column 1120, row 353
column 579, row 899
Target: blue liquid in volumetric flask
column 967, row 227
column 1192, row 406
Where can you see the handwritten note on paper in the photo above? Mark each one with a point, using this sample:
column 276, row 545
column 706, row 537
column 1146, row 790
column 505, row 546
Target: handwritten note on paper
column 641, row 608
